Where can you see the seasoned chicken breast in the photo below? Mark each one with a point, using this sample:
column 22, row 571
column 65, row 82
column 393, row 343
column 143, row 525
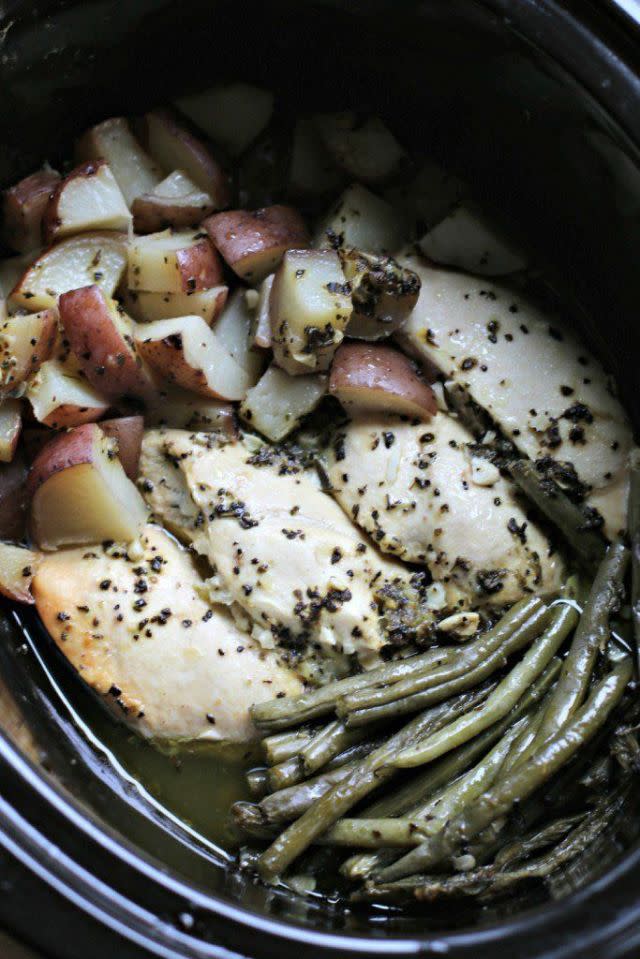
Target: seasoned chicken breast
column 416, row 489
column 539, row 383
column 171, row 665
column 283, row 554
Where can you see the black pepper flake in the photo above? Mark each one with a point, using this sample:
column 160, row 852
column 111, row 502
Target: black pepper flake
column 389, row 439
column 207, row 616
column 105, row 584
column 336, row 556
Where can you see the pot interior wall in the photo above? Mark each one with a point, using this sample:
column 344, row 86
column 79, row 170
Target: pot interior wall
column 454, row 82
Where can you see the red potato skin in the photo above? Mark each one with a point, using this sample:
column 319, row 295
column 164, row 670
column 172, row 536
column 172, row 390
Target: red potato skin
column 13, row 499
column 239, row 234
column 166, row 356
column 377, row 367
column 200, row 267
column 51, row 221
column 24, row 208
column 217, row 184
column 109, row 363
column 64, row 450
column 128, row 432
column 151, row 213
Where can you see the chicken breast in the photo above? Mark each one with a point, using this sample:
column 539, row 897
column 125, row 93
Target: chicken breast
column 538, row 382
column 171, row 665
column 283, row 553
column 416, row 489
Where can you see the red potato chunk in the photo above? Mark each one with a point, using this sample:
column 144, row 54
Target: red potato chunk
column 88, row 198
column 25, row 343
column 80, row 492
column 101, row 336
column 13, row 498
column 146, row 307
column 254, row 242
column 17, row 567
column 230, row 114
column 189, row 354
column 177, row 409
column 173, row 262
column 127, row 431
column 368, row 377
column 133, row 168
column 176, row 202
column 175, row 147
column 10, row 427
column 61, row 398
column 23, row 208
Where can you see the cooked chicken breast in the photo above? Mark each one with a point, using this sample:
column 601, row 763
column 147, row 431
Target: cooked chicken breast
column 282, row 551
column 419, row 493
column 538, row 382
column 171, row 665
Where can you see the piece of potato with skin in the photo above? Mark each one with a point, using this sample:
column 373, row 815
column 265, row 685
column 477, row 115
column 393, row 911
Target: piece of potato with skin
column 113, row 141
column 80, row 492
column 98, row 257
column 466, row 240
column 365, row 151
column 312, row 171
column 127, row 431
column 278, row 402
column 101, row 336
column 23, row 208
column 253, row 242
column 261, row 327
column 233, row 329
column 13, row 497
column 17, row 568
column 177, row 409
column 309, row 308
column 176, row 202
column 146, row 307
column 188, row 353
column 427, row 198
column 369, row 377
column 383, row 294
column 361, row 220
column 60, row 398
column 88, row 198
column 10, row 427
column 11, row 271
column 175, row 147
column 25, row 342
column 173, row 262
column 232, row 114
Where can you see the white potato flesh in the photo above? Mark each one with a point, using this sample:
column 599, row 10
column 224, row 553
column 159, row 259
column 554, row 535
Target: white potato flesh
column 178, row 409
column 25, row 342
column 10, row 427
column 188, row 353
column 312, row 171
column 176, row 669
column 147, row 307
column 271, row 535
column 362, row 220
column 261, row 328
column 81, row 493
column 177, row 201
column 78, row 261
column 365, row 151
column 309, row 309
column 278, row 402
column 467, row 240
column 61, row 398
column 543, row 388
column 428, row 197
column 89, row 198
column 17, row 566
column 173, row 262
column 233, row 330
column 133, row 168
column 231, row 114
column 411, row 487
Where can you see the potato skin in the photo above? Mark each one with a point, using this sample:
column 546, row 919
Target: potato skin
column 109, row 362
column 253, row 242
column 64, row 450
column 375, row 376
column 167, row 357
column 127, row 431
column 51, row 223
column 152, row 213
column 24, row 207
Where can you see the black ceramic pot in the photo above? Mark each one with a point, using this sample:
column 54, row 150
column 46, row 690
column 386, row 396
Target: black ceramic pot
column 537, row 104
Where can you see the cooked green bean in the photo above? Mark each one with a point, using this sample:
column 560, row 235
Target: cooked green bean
column 591, row 635
column 503, row 698
column 330, row 742
column 369, row 774
column 469, row 657
column 284, row 774
column 290, row 803
column 495, row 661
column 283, row 746
column 522, row 780
column 572, row 521
column 524, row 848
column 258, row 782
column 634, row 533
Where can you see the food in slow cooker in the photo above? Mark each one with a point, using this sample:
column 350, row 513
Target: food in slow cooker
column 284, row 463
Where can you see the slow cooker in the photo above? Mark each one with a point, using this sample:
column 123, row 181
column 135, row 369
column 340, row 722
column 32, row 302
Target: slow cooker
column 536, row 103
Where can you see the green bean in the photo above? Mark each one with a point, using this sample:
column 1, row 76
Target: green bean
column 284, row 774
column 469, row 657
column 523, row 848
column 634, row 533
column 590, row 636
column 258, row 782
column 290, row 803
column 503, row 698
column 572, row 521
column 330, row 742
column 283, row 746
column 369, row 774
column 522, row 745
column 496, row 660
column 521, row 781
